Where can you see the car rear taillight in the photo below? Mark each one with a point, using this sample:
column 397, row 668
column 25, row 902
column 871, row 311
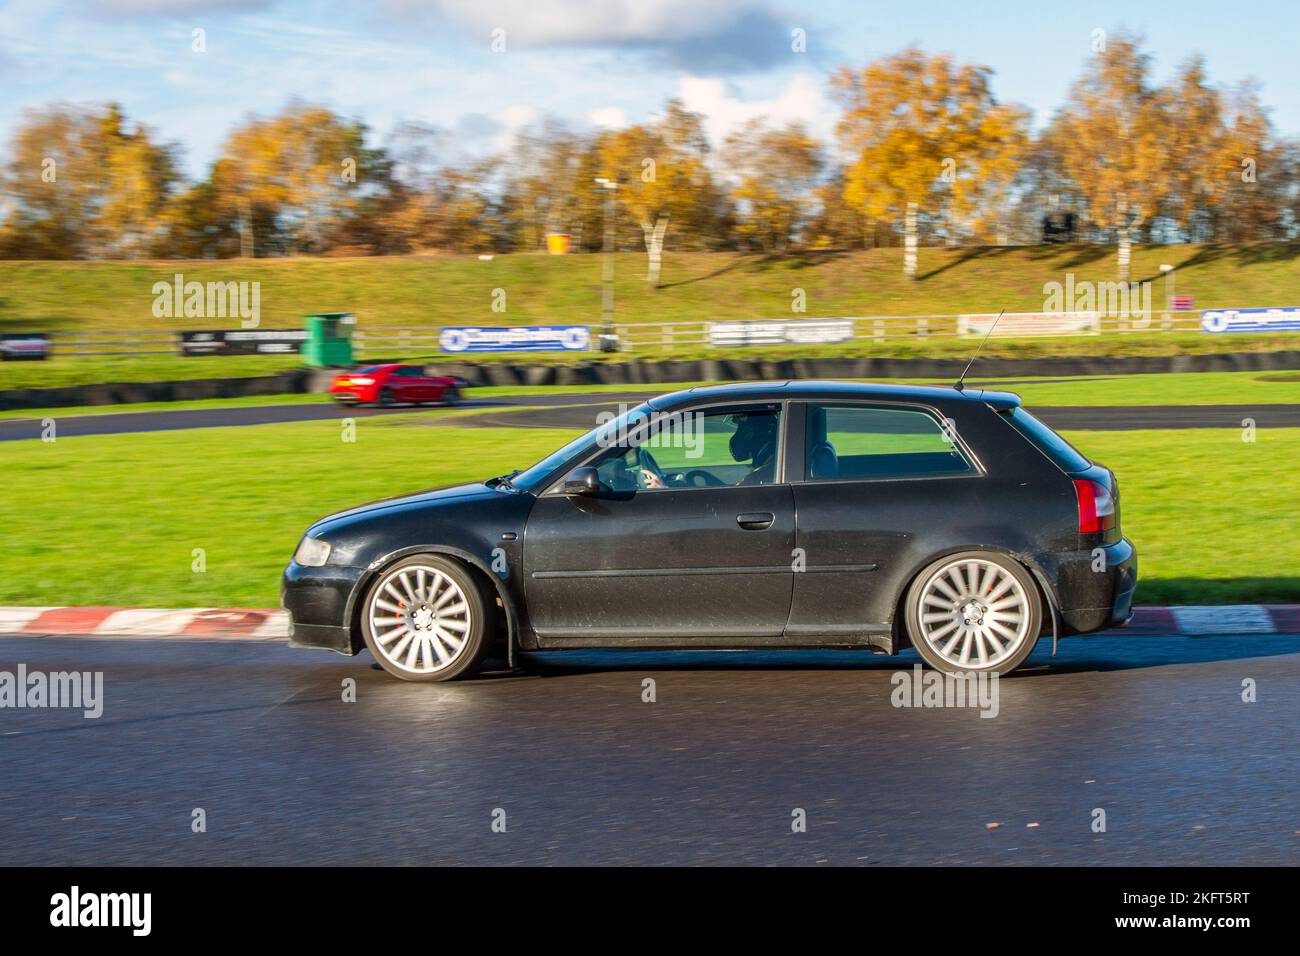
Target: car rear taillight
column 1096, row 506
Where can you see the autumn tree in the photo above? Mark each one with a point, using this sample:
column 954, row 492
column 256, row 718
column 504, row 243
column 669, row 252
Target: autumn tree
column 663, row 177
column 924, row 135
column 1114, row 142
column 545, row 182
column 1194, row 146
column 294, row 179
column 81, row 184
column 1254, row 168
column 774, row 174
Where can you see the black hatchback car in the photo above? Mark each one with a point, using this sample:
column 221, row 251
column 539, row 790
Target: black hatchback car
column 765, row 515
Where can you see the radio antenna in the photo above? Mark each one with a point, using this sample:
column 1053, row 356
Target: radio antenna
column 962, row 377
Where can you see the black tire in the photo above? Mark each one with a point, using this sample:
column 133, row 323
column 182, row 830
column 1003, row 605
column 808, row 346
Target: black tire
column 476, row 641
column 926, row 646
column 451, row 396
column 385, row 397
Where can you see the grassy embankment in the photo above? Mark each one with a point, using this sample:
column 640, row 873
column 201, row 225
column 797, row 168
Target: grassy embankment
column 432, row 291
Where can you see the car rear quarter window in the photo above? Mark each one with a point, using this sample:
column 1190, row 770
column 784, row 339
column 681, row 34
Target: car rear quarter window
column 1061, row 452
column 856, row 442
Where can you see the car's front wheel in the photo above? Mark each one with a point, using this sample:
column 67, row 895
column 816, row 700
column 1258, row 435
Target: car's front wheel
column 977, row 611
column 424, row 619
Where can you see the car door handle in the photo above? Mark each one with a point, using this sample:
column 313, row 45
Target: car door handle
column 756, row 520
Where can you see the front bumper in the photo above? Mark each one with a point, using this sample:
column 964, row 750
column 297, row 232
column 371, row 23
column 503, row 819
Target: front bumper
column 1095, row 589
column 319, row 602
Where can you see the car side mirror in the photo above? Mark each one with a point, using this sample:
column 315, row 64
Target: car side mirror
column 584, row 480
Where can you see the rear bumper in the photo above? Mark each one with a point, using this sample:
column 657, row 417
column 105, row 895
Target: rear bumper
column 1095, row 589
column 352, row 394
column 319, row 604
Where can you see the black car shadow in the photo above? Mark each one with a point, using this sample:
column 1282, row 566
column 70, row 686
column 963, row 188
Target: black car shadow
column 1074, row 655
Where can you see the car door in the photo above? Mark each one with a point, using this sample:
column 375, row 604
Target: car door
column 703, row 560
column 880, row 486
column 410, row 385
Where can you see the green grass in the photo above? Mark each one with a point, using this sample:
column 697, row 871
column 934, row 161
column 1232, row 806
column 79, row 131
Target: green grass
column 1187, row 388
column 448, row 290
column 1206, row 511
column 59, row 371
column 114, row 519
column 78, row 411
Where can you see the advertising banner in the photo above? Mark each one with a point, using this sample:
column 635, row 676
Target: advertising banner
column 1251, row 320
column 794, row 332
column 516, row 338
column 243, row 341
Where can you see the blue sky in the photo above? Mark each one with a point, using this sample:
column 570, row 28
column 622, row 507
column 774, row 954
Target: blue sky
column 587, row 62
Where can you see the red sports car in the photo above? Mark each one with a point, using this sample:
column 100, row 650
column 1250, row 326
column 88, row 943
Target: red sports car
column 394, row 384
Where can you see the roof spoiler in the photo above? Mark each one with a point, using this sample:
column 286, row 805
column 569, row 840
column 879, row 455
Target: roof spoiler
column 1000, row 401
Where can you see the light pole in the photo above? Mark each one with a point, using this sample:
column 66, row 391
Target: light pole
column 608, row 339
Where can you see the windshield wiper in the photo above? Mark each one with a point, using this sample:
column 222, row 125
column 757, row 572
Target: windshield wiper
column 503, row 481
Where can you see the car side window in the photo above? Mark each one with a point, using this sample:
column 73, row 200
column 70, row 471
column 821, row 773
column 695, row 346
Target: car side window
column 407, row 372
column 698, row 450
column 859, row 442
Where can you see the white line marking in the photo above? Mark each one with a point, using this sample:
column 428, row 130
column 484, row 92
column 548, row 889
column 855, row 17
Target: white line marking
column 1230, row 619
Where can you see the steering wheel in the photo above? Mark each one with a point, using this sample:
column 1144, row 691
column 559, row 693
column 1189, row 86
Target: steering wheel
column 647, row 461
column 706, row 479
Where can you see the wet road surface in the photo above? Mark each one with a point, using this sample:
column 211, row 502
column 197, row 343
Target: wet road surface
column 1152, row 730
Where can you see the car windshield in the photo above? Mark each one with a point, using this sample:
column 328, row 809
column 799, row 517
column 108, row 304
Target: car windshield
column 531, row 479
column 367, row 370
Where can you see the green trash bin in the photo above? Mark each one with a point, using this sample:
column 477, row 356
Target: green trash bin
column 329, row 339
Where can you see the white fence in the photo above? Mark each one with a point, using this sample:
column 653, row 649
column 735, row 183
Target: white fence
column 643, row 337
column 669, row 336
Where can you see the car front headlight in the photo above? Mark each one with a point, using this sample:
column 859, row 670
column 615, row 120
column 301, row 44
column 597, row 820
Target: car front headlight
column 363, row 381
column 312, row 552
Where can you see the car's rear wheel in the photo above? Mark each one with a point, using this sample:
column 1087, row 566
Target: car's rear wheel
column 451, row 396
column 425, row 620
column 977, row 611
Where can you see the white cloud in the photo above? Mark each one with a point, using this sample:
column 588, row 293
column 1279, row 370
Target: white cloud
column 512, row 119
column 175, row 7
column 803, row 100
column 594, row 21
column 698, row 35
column 608, row 117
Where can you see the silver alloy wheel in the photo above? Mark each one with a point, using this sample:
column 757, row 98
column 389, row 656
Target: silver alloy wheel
column 974, row 613
column 420, row 619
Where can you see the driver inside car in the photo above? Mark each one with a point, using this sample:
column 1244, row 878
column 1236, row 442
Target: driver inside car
column 754, row 441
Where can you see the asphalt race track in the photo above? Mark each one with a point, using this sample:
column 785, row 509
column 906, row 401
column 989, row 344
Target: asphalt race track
column 580, row 411
column 1152, row 730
